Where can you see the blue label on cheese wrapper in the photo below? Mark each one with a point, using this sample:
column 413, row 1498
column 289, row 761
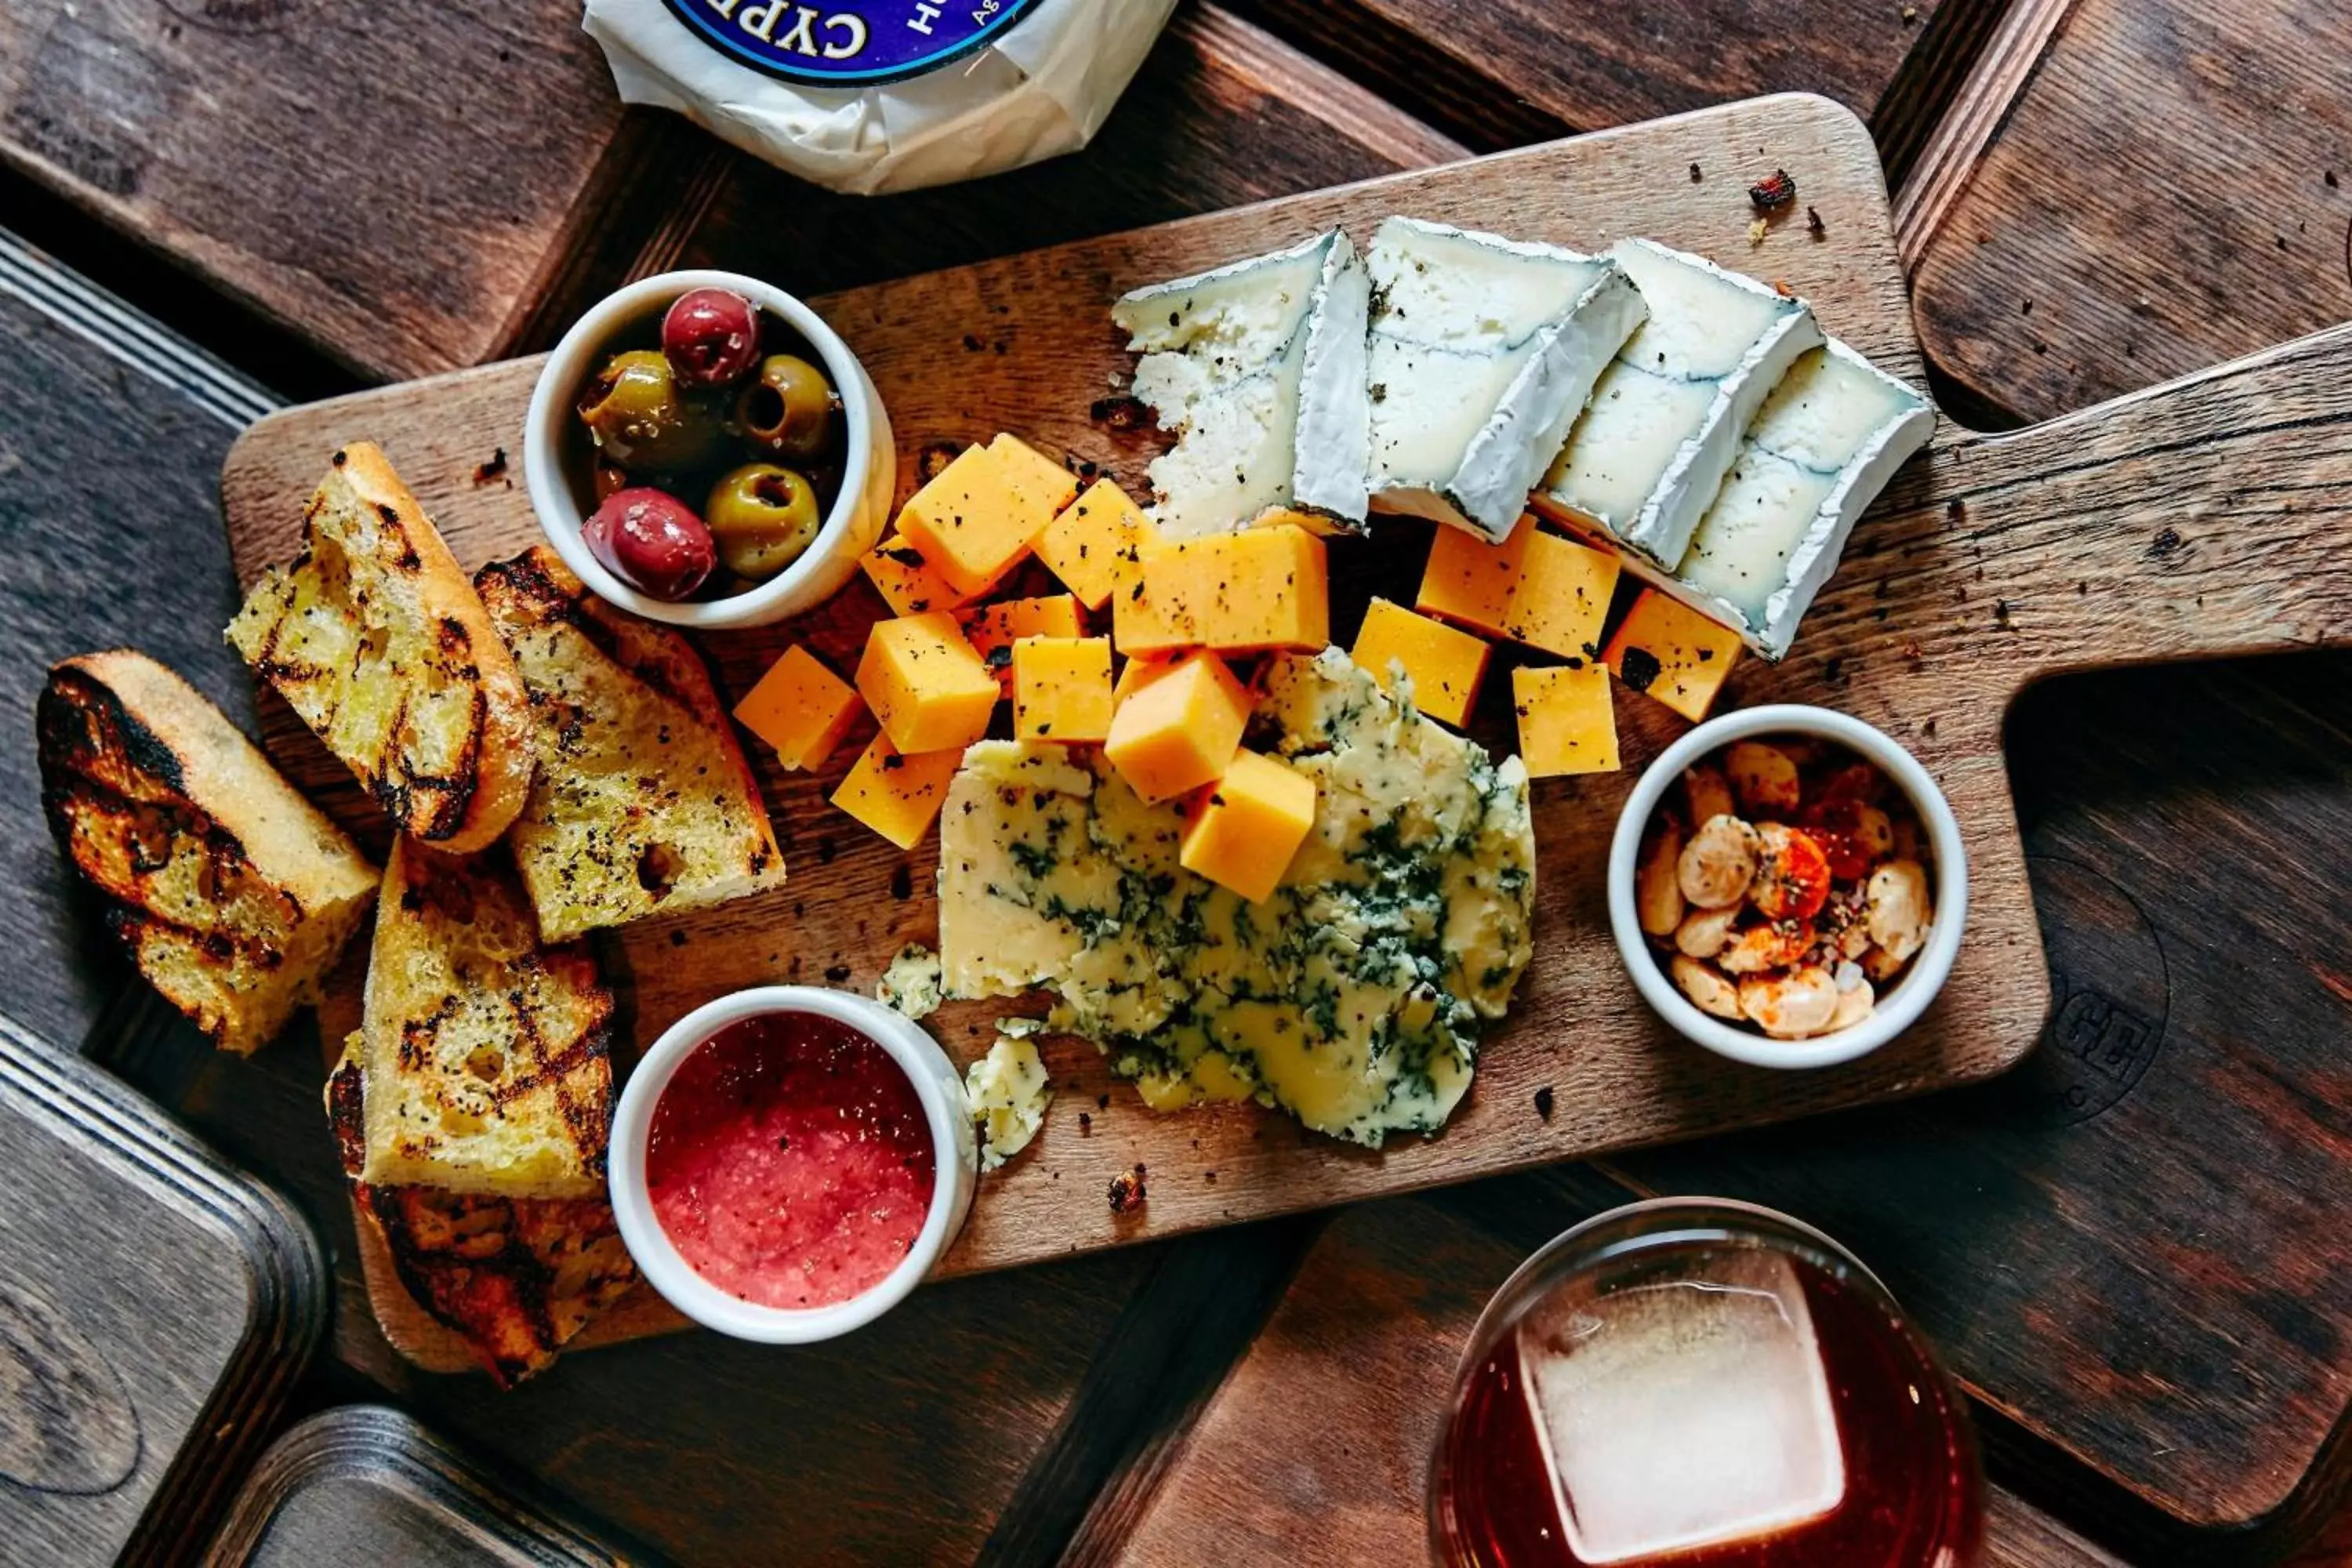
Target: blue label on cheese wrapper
column 849, row 43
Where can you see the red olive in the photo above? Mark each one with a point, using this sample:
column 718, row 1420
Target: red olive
column 710, row 337
column 652, row 541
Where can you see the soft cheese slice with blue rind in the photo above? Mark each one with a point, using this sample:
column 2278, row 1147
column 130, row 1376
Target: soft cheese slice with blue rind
column 1259, row 367
column 1352, row 998
column 1825, row 443
column 1664, row 423
column 1483, row 351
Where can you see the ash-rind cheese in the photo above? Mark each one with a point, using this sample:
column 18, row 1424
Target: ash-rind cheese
column 1352, row 997
column 1664, row 423
column 1483, row 351
column 1261, row 368
column 1832, row 433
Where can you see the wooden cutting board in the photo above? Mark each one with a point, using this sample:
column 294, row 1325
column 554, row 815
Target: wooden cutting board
column 2143, row 530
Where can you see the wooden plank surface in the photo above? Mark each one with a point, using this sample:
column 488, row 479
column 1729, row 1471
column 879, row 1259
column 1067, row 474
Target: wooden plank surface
column 395, row 180
column 1578, row 1026
column 1315, row 1451
column 2092, row 250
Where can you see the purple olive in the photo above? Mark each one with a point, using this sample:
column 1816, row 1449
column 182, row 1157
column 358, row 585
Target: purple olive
column 710, row 337
column 652, row 541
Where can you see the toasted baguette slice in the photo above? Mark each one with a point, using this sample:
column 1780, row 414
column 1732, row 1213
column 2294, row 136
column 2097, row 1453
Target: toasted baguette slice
column 485, row 1054
column 644, row 803
column 516, row 1279
column 233, row 894
column 376, row 638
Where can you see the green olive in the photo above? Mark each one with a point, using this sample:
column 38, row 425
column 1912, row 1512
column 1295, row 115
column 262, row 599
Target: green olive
column 641, row 421
column 788, row 409
column 763, row 517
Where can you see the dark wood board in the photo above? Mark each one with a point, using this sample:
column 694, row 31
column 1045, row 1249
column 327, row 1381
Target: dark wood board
column 395, row 180
column 2139, row 1241
column 1919, row 635
column 104, row 551
column 2160, row 185
column 158, row 1309
column 363, row 1483
column 1315, row 1451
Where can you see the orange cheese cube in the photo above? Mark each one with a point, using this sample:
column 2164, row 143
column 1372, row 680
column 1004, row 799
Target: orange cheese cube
column 1445, row 666
column 1562, row 596
column 1470, row 582
column 992, row 629
column 1177, row 731
column 1236, row 592
column 972, row 523
column 1094, row 546
column 1674, row 653
column 928, row 688
column 1137, row 674
column 907, row 582
column 800, row 708
column 1061, row 689
column 899, row 795
column 1566, row 724
column 1246, row 825
column 1044, row 480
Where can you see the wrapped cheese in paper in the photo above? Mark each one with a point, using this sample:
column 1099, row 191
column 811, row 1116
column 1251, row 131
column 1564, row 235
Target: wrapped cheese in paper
column 874, row 96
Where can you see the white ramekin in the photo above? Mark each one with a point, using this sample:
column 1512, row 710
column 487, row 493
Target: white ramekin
column 954, row 1150
column 869, row 472
column 1930, row 967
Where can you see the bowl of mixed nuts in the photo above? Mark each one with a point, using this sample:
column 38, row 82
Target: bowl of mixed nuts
column 1788, row 887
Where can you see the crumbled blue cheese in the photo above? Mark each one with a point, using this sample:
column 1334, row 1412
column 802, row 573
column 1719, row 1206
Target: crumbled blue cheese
column 1352, row 998
column 1009, row 1092
column 911, row 983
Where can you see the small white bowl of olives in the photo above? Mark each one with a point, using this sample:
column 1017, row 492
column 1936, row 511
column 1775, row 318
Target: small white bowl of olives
column 702, row 449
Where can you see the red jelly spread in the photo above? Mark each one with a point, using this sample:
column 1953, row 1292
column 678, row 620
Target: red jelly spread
column 790, row 1162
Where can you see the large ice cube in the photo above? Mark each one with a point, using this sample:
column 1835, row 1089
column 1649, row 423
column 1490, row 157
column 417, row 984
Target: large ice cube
column 1685, row 1412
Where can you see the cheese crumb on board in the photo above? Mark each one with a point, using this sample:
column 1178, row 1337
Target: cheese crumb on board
column 1352, row 997
column 1010, row 1093
column 910, row 985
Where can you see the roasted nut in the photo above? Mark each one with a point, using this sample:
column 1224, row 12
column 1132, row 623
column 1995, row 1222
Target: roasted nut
column 1763, row 777
column 1790, row 1006
column 1705, row 933
column 1657, row 899
column 1792, row 875
column 1765, row 947
column 1852, row 1006
column 1710, row 991
column 1707, row 793
column 1718, row 863
column 1898, row 911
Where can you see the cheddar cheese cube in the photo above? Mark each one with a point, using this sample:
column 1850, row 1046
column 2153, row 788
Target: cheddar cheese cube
column 1137, row 673
column 1312, row 522
column 1044, row 480
column 928, row 688
column 907, row 582
column 1245, row 827
column 1260, row 589
column 974, row 523
column 1566, row 724
column 1096, row 544
column 992, row 629
column 1445, row 666
column 898, row 793
column 1562, row 596
column 1470, row 582
column 1672, row 652
column 800, row 708
column 1061, row 689
column 1179, row 729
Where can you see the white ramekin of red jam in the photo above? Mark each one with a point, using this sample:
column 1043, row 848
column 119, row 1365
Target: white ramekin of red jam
column 788, row 1163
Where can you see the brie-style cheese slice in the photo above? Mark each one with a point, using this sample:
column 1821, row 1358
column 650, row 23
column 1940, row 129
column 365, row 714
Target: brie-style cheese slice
column 1483, row 351
column 1259, row 367
column 1823, row 446
column 1664, row 423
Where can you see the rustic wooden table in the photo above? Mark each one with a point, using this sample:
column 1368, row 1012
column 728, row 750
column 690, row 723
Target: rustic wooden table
column 2134, row 1251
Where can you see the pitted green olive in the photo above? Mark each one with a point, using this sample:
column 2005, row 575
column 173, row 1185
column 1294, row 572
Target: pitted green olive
column 643, row 422
column 788, row 409
column 763, row 518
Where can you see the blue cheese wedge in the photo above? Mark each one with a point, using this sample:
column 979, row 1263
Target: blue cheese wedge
column 1824, row 445
column 1483, row 351
column 1259, row 367
column 1009, row 1093
column 1665, row 419
column 1352, row 998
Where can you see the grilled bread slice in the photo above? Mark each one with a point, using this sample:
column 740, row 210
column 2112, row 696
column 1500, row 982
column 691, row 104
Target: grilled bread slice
column 516, row 1279
column 644, row 803
column 376, row 638
column 233, row 894
column 483, row 1053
